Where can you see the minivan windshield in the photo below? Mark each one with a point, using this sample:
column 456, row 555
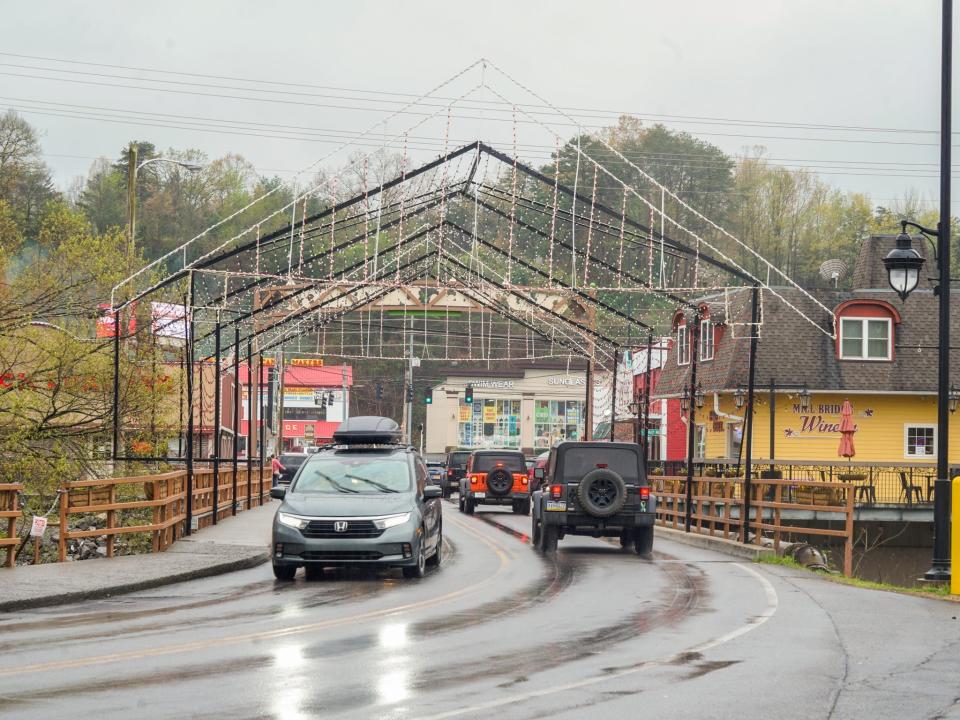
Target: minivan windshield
column 354, row 475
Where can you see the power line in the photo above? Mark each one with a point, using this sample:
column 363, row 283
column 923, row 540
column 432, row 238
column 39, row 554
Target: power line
column 405, row 97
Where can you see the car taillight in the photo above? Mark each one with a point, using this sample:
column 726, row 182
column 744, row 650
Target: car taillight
column 644, row 493
column 473, row 479
column 556, row 491
column 450, row 472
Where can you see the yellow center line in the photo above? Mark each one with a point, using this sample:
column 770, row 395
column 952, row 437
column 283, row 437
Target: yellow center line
column 498, row 549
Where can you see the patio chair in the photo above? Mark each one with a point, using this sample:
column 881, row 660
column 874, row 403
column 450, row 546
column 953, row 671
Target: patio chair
column 909, row 490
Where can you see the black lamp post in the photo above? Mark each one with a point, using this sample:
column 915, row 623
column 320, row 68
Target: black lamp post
column 903, row 265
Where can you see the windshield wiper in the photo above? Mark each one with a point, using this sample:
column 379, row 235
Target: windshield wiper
column 379, row 486
column 338, row 486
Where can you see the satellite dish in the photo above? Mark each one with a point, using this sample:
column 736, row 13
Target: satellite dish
column 833, row 270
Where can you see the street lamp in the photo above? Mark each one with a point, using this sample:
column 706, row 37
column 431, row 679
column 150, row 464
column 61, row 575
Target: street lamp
column 132, row 169
column 699, row 396
column 685, row 400
column 903, row 271
column 739, row 397
column 903, row 263
column 804, row 395
column 953, row 398
column 633, row 408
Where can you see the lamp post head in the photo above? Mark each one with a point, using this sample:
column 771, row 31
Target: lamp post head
column 739, row 397
column 805, row 401
column 903, row 265
column 634, row 408
column 953, row 398
column 685, row 400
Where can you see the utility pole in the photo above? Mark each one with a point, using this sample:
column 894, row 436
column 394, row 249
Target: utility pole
column 282, row 372
column 131, row 196
column 346, row 403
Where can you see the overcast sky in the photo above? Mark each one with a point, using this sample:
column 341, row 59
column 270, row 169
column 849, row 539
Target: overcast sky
column 756, row 68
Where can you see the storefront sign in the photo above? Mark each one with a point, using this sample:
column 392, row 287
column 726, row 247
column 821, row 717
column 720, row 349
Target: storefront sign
column 566, row 381
column 490, row 413
column 298, row 397
column 501, row 384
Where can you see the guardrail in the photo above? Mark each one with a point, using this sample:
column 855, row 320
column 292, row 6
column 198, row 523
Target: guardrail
column 777, row 508
column 155, row 504
column 9, row 511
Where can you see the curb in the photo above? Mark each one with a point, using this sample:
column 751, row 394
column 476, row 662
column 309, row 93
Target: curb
column 221, row 568
column 728, row 547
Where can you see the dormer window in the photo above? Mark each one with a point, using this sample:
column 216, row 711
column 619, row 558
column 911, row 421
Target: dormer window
column 683, row 345
column 866, row 338
column 706, row 340
column 865, row 330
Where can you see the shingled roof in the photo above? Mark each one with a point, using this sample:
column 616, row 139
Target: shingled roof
column 792, row 351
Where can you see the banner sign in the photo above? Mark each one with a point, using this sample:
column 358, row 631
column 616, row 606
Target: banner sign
column 168, row 320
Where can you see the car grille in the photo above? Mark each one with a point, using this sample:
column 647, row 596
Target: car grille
column 341, row 555
column 355, row 529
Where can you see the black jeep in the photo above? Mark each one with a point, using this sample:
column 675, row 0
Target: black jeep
column 598, row 489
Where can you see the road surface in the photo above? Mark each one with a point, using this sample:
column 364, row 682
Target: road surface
column 498, row 631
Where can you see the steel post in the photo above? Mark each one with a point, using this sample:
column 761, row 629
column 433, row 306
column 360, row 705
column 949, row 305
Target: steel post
column 116, row 384
column 692, row 420
column 249, row 423
column 940, row 569
column 748, row 429
column 190, row 370
column 613, row 396
column 216, row 423
column 236, row 415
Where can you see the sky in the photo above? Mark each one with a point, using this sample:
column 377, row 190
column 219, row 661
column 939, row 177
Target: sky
column 846, row 88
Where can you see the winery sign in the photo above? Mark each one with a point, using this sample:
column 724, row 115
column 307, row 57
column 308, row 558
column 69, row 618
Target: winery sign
column 822, row 419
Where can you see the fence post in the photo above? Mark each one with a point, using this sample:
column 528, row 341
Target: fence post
column 64, row 491
column 848, row 535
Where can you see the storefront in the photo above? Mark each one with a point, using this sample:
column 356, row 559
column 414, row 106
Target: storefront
column 528, row 409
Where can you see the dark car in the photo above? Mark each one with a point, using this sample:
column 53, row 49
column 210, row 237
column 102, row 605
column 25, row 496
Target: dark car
column 456, row 469
column 436, row 471
column 364, row 500
column 495, row 477
column 291, row 463
column 594, row 488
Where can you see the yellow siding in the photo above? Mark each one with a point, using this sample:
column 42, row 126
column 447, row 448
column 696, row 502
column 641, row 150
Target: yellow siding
column 880, row 420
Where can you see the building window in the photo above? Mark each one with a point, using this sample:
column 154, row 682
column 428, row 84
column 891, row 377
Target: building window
column 683, row 345
column 706, row 340
column 865, row 338
column 490, row 423
column 920, row 441
column 557, row 420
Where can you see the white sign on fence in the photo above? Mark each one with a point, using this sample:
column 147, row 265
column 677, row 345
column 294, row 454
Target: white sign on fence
column 38, row 527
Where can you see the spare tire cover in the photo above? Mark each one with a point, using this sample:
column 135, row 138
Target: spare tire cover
column 602, row 492
column 499, row 481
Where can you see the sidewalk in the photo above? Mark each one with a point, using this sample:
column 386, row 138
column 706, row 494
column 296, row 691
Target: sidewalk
column 235, row 543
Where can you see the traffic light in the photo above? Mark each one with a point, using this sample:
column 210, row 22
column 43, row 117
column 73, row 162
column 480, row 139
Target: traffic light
column 428, row 396
column 379, row 391
column 468, row 395
column 330, row 399
column 410, row 393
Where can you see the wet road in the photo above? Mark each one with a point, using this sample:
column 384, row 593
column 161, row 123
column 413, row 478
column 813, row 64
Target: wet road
column 498, row 630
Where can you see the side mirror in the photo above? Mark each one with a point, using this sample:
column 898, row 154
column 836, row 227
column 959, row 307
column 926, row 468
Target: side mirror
column 538, row 473
column 432, row 492
column 278, row 492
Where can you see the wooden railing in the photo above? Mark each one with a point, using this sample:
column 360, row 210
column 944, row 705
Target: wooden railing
column 717, row 508
column 119, row 506
column 9, row 512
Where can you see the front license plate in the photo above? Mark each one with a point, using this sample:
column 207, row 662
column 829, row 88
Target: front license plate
column 556, row 505
column 480, row 495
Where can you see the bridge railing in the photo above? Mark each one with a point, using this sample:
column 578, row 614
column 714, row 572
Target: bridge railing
column 780, row 509
column 154, row 504
column 905, row 484
column 9, row 514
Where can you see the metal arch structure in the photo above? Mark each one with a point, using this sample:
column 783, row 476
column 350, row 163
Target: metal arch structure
column 470, row 237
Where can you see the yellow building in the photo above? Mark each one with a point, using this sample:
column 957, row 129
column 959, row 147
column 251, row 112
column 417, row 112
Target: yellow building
column 816, row 349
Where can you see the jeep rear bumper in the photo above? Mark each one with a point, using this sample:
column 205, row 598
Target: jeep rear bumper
column 488, row 499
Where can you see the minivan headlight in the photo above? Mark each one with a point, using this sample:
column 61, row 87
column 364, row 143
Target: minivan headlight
column 391, row 521
column 292, row 521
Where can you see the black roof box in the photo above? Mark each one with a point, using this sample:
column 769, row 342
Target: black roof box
column 367, row 430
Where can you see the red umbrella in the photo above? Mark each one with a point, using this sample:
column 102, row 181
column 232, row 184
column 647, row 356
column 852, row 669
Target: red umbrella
column 847, row 429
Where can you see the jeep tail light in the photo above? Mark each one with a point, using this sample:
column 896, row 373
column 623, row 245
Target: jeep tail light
column 602, row 466
column 473, row 479
column 556, row 491
column 524, row 480
column 645, row 493
column 450, row 472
